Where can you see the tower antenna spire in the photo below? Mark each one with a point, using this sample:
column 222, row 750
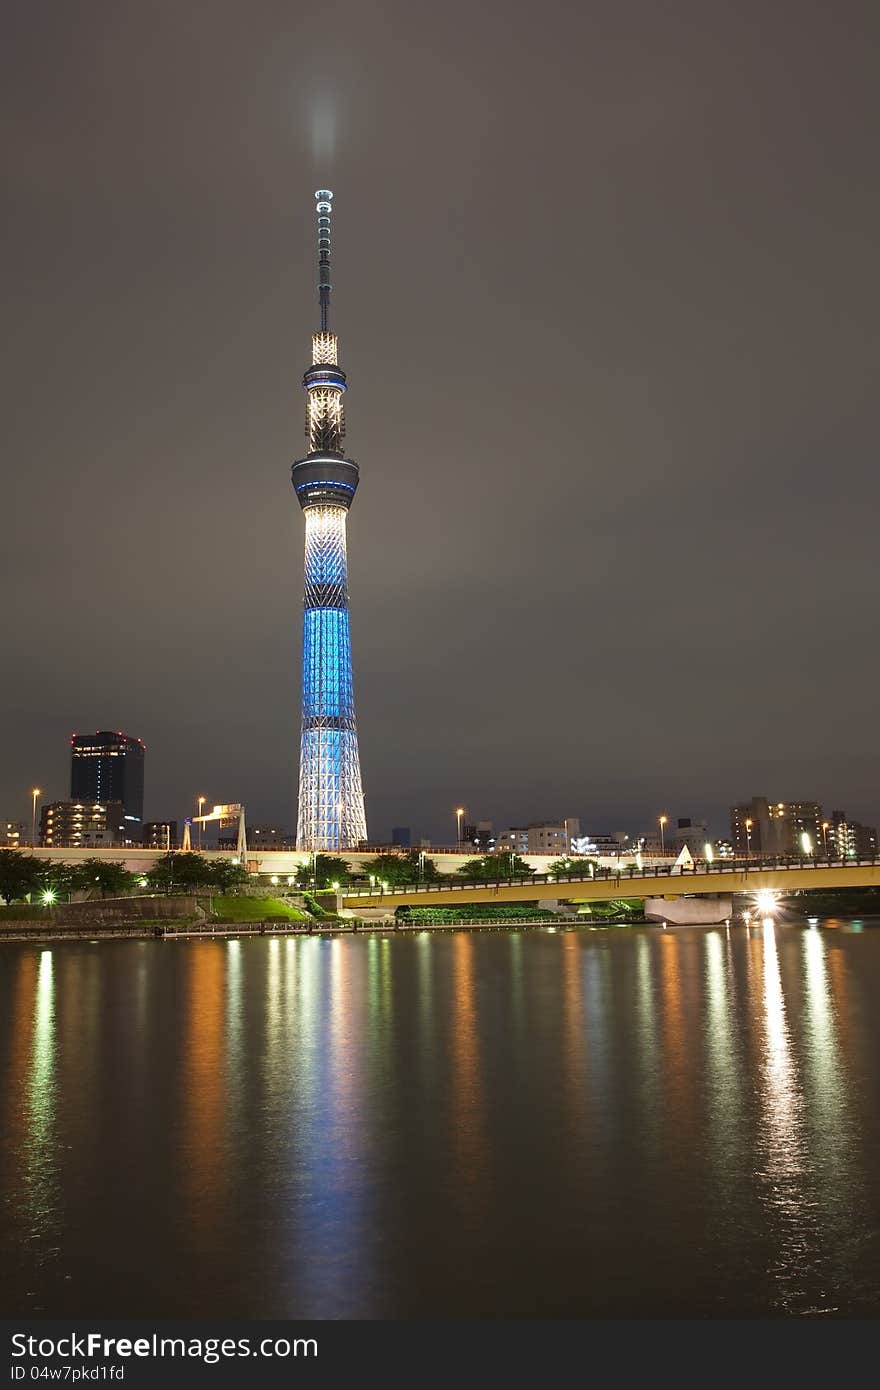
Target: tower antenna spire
column 323, row 206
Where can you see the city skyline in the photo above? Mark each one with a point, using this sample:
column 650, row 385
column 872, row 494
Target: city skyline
column 642, row 823
column 661, row 546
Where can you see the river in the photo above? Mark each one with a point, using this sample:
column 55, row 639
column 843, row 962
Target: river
column 575, row 1123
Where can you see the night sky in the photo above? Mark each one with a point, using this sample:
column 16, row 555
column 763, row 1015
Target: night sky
column 605, row 279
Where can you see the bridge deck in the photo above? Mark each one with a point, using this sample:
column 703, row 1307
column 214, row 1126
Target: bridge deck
column 738, row 878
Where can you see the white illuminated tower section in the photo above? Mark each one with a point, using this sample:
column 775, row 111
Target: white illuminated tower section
column 331, row 798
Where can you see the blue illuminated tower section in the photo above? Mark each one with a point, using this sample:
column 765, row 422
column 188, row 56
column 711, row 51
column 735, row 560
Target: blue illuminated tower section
column 331, row 798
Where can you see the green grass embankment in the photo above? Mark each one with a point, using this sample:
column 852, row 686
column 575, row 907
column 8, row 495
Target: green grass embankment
column 233, row 909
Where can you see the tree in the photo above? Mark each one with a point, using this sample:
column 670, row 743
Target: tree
column 61, row 880
column 161, row 876
column 493, row 867
column 183, row 872
column 400, row 869
column 20, row 874
column 576, row 868
column 325, row 870
column 111, row 878
column 225, row 875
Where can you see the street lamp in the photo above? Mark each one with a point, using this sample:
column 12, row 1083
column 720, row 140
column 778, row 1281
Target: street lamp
column 35, row 794
column 748, row 825
column 459, row 812
column 825, row 838
column 202, row 800
column 662, row 822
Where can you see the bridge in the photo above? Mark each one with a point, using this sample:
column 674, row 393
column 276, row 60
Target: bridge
column 721, row 878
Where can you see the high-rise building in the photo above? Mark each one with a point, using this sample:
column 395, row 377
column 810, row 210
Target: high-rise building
column 331, row 799
column 108, row 767
column 80, row 823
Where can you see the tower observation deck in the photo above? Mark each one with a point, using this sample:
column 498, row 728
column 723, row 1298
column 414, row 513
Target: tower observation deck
column 331, row 799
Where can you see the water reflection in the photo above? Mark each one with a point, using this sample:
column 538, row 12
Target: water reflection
column 623, row 1122
column 781, row 1137
column 201, row 1097
column 40, row 1114
column 469, row 1155
column 723, row 1064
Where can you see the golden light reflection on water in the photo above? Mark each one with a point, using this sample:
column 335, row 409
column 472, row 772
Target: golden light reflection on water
column 202, row 1068
column 574, row 1032
column 646, row 1034
column 469, row 1149
column 426, row 1017
column 678, row 1076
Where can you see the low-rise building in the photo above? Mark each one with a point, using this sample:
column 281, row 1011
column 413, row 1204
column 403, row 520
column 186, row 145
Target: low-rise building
column 15, row 835
column 776, row 828
column 85, row 823
column 688, row 834
column 515, row 840
column 848, row 839
column 539, row 837
column 261, row 837
column 160, row 834
column 478, row 836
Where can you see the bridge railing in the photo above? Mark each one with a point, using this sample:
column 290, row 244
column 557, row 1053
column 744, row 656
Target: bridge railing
column 631, row 873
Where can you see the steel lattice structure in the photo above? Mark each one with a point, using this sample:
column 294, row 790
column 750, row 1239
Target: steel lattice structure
column 331, row 799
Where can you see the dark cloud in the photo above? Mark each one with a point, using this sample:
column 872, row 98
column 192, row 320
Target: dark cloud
column 606, row 288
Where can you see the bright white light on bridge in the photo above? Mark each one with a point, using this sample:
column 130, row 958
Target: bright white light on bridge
column 708, row 852
column 766, row 902
column 806, row 843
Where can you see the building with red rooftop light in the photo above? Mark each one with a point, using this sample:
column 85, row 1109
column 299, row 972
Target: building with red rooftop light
column 109, row 766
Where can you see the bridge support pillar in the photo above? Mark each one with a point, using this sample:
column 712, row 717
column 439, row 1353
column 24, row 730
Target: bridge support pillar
column 685, row 912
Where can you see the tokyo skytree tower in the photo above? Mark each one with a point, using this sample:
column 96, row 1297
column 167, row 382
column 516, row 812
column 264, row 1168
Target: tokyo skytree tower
column 331, row 799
